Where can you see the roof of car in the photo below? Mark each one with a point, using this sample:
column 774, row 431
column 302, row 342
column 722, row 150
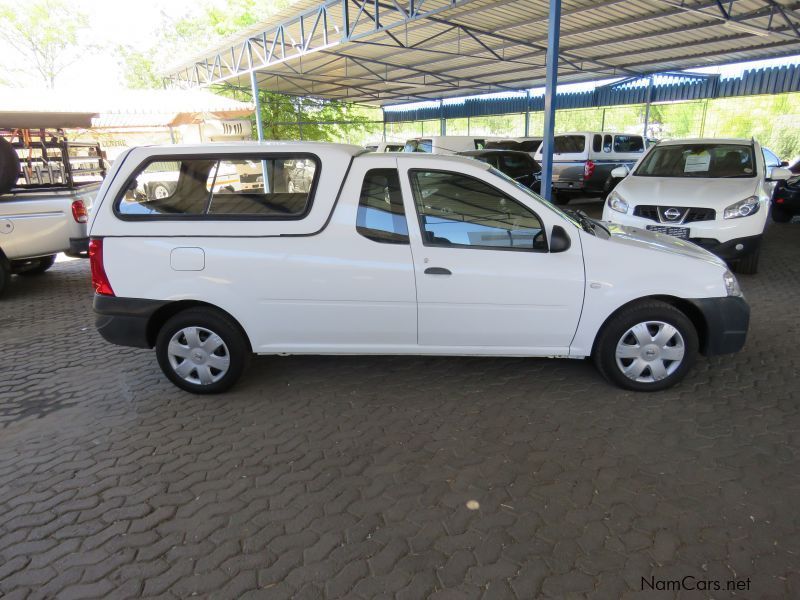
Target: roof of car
column 254, row 145
column 426, row 158
column 493, row 151
column 705, row 141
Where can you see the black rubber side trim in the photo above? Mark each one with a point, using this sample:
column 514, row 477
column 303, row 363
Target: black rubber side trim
column 123, row 321
column 727, row 320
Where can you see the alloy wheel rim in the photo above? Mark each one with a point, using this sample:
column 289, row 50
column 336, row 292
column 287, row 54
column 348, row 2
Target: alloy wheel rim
column 650, row 351
column 198, row 355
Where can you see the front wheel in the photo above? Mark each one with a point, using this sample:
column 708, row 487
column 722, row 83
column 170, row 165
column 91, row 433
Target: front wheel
column 202, row 351
column 646, row 347
column 748, row 265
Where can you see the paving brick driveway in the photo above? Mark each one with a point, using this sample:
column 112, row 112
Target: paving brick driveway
column 349, row 477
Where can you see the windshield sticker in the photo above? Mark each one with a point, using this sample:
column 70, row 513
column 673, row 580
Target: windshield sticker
column 697, row 162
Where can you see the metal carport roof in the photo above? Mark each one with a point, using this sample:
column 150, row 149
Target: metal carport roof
column 382, row 51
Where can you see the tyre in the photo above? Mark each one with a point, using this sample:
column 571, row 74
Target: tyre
column 559, row 199
column 202, row 350
column 9, row 166
column 5, row 274
column 781, row 215
column 646, row 347
column 40, row 266
column 748, row 265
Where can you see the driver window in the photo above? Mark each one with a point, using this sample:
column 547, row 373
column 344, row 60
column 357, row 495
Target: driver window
column 457, row 210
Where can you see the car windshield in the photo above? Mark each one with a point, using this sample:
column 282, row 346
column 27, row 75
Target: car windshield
column 699, row 160
column 418, row 146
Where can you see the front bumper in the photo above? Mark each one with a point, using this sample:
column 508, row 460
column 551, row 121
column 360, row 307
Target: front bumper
column 125, row 321
column 78, row 247
column 727, row 320
column 721, row 237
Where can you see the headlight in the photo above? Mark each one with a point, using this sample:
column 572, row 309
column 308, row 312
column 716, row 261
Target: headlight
column 743, row 208
column 731, row 285
column 617, row 203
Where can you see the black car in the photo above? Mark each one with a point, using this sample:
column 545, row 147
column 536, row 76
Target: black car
column 518, row 165
column 786, row 200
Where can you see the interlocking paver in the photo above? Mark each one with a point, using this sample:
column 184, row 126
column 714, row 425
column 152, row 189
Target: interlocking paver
column 348, row 477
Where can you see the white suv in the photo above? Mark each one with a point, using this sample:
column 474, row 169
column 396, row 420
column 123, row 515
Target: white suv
column 713, row 192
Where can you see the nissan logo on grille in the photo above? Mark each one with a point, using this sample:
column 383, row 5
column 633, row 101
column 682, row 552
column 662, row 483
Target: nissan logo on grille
column 672, row 214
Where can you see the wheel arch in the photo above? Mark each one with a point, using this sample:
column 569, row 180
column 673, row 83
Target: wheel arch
column 692, row 312
column 169, row 310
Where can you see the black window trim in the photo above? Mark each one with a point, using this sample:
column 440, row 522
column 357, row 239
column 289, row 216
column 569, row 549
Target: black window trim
column 421, row 226
column 407, row 241
column 220, row 156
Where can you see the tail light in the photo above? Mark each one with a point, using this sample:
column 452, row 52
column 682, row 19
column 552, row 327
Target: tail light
column 79, row 212
column 99, row 278
column 588, row 169
column 778, row 200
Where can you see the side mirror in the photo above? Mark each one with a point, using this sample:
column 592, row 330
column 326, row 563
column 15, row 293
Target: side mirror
column 559, row 240
column 620, row 172
column 779, row 174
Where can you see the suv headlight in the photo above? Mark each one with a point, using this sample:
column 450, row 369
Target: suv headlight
column 731, row 285
column 617, row 203
column 743, row 208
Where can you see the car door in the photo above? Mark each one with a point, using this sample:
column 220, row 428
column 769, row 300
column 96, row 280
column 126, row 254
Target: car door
column 486, row 282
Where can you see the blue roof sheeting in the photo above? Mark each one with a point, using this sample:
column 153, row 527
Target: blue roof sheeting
column 671, row 87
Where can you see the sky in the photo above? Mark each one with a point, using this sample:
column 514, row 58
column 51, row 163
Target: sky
column 118, row 22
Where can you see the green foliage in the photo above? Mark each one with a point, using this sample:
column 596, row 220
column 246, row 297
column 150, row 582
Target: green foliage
column 45, row 35
column 138, row 69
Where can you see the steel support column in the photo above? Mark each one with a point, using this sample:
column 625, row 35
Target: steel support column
column 257, row 102
column 442, row 121
column 551, row 82
column 647, row 105
column 527, row 113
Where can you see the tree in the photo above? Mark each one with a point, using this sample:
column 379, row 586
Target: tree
column 45, row 34
column 284, row 117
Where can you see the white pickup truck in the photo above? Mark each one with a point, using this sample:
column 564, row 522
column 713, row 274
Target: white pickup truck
column 44, row 202
column 388, row 254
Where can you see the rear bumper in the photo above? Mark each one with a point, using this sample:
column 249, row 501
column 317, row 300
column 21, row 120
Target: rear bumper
column 124, row 321
column 78, row 247
column 727, row 320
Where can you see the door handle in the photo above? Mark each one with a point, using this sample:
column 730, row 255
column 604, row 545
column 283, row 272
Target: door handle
column 437, row 271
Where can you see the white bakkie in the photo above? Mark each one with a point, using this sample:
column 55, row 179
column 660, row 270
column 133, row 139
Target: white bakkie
column 387, row 254
column 714, row 192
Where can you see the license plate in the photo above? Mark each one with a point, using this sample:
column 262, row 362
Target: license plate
column 679, row 232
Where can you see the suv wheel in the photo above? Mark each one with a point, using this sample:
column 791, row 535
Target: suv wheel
column 647, row 347
column 202, row 351
column 40, row 265
column 748, row 265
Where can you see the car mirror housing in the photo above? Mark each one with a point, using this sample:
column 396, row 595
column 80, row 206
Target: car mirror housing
column 559, row 240
column 779, row 174
column 619, row 172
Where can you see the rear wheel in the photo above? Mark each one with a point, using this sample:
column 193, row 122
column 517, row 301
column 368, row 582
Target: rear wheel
column 9, row 166
column 38, row 266
column 5, row 274
column 202, row 351
column 646, row 347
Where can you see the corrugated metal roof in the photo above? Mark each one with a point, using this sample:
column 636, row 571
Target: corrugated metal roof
column 671, row 87
column 390, row 51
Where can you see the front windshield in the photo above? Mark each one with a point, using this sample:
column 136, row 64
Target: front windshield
column 699, row 160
